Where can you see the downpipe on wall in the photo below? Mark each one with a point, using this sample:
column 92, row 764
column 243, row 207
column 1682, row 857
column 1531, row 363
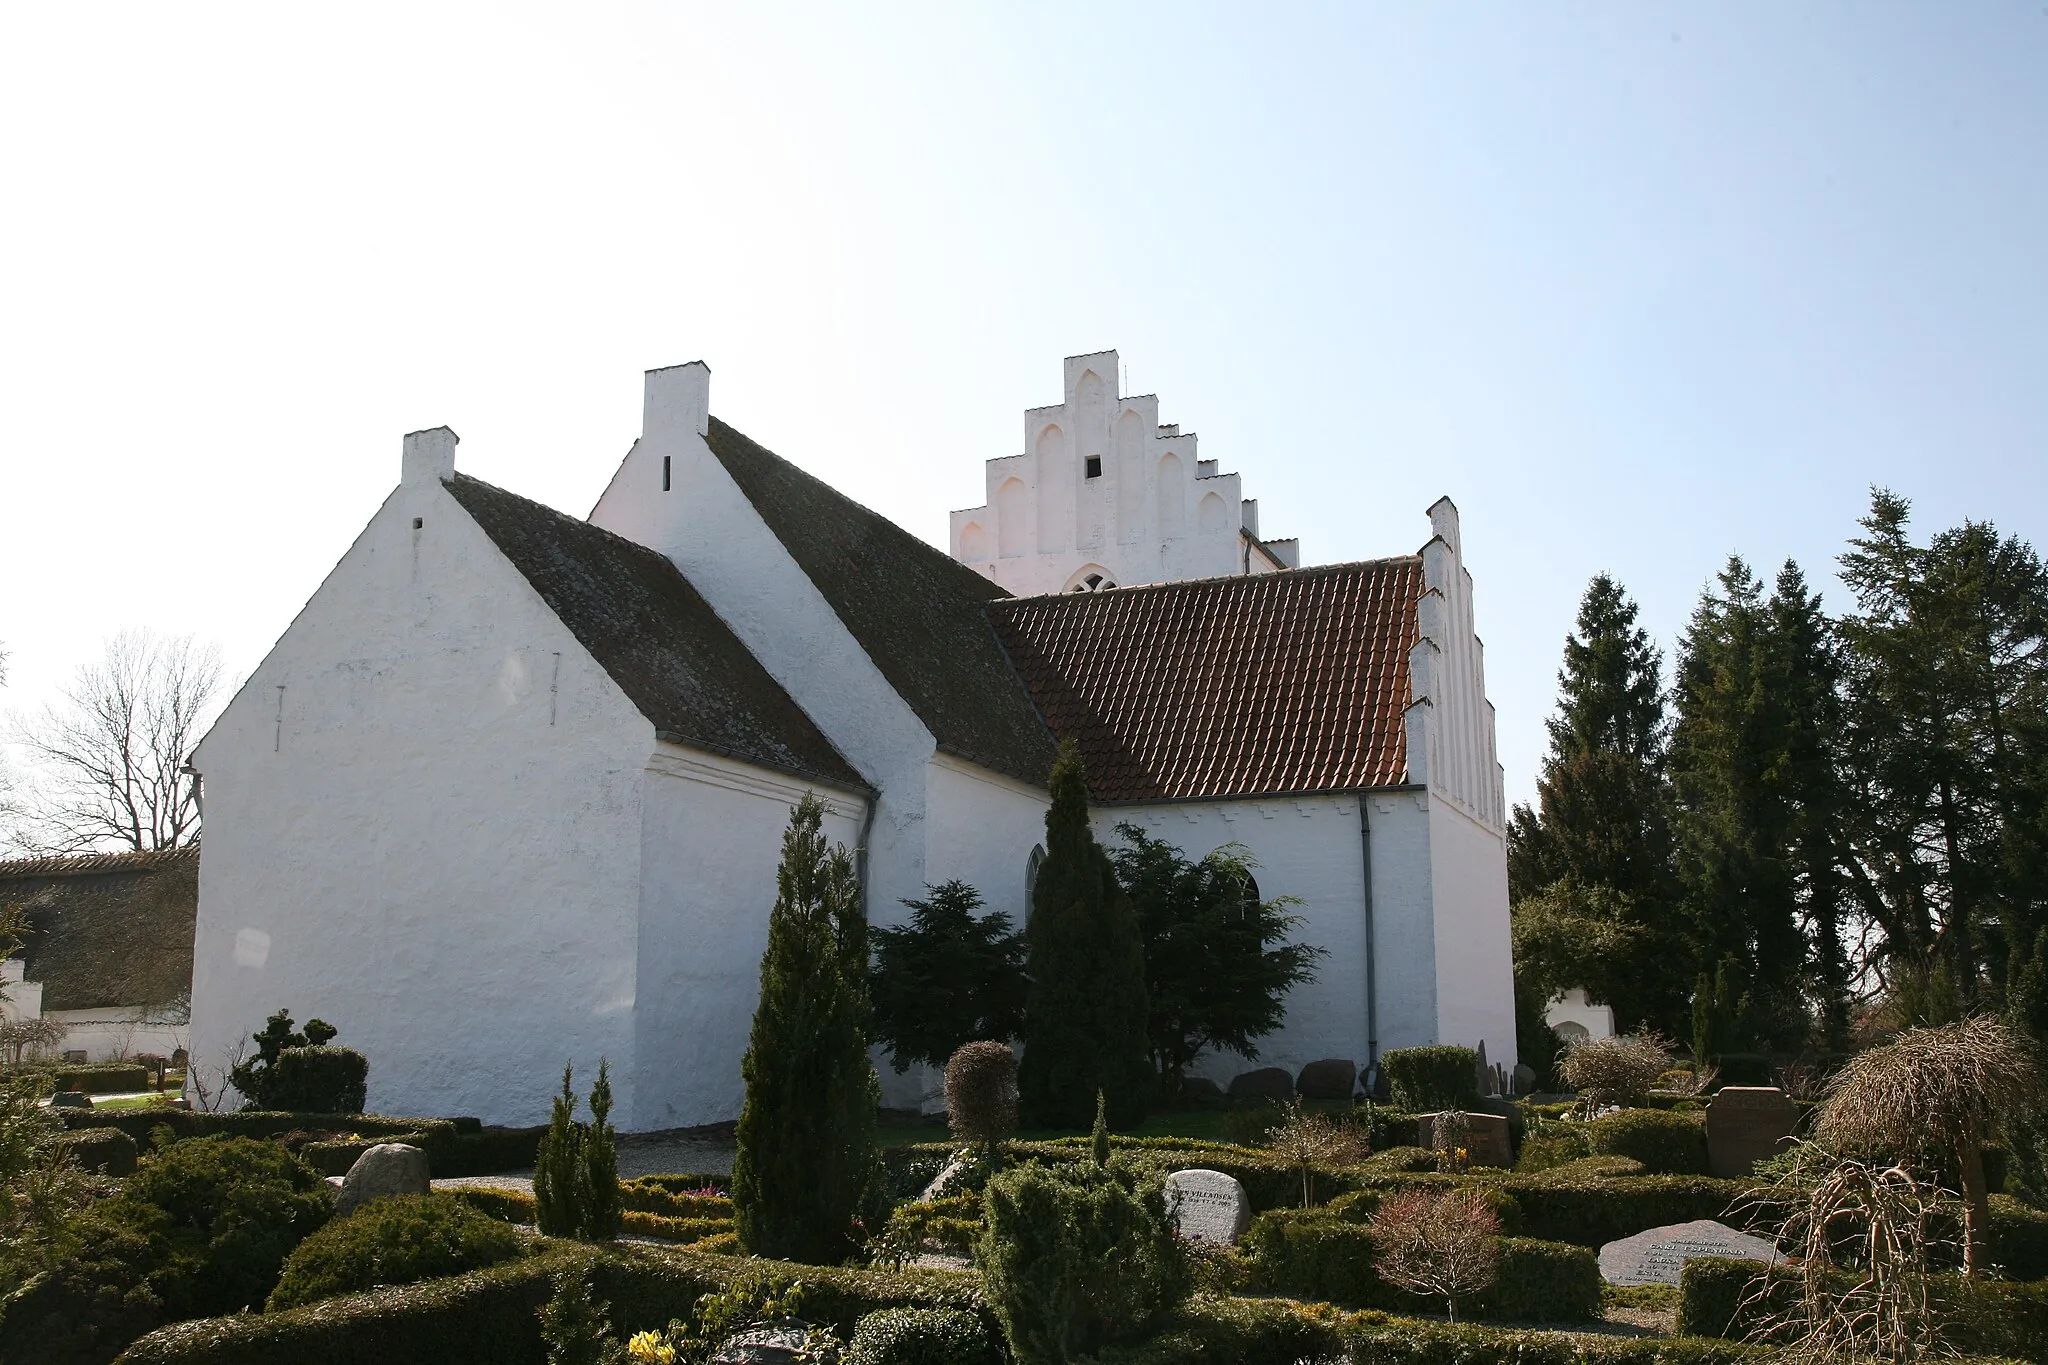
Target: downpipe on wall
column 1372, row 994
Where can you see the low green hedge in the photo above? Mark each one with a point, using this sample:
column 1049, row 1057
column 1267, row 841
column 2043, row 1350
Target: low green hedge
column 453, row 1146
column 400, row 1240
column 2018, row 1239
column 1331, row 1259
column 1574, row 1203
column 651, row 1196
column 922, row 1336
column 492, row 1314
column 713, row 1218
column 1733, row 1299
column 334, row 1156
column 108, row 1151
column 1268, row 1181
column 1665, row 1143
column 102, row 1078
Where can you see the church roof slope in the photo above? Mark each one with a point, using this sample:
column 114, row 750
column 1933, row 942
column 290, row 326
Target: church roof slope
column 919, row 614
column 656, row 637
column 1223, row 687
column 107, row 931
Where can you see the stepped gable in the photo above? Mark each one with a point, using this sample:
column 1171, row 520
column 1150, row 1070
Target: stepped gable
column 1227, row 687
column 920, row 615
column 108, row 930
column 656, row 637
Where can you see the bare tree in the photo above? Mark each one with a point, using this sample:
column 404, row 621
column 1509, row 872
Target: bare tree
column 1446, row 1245
column 111, row 756
column 1618, row 1070
column 23, row 1038
column 1307, row 1141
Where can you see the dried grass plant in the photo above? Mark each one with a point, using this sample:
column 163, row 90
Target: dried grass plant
column 1934, row 1093
column 1444, row 1245
column 1862, row 1238
column 1617, row 1070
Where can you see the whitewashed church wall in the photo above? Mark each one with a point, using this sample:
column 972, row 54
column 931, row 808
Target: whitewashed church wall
column 982, row 829
column 423, row 825
column 1474, row 964
column 1307, row 847
column 1404, row 924
column 706, row 525
column 711, row 841
column 117, row 1035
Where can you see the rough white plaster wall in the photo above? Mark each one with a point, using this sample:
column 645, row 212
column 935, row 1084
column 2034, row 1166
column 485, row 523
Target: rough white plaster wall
column 1474, row 961
column 113, row 1035
column 19, row 999
column 711, row 841
column 706, row 525
column 1307, row 847
column 413, row 852
column 981, row 828
column 1403, row 919
column 1139, row 520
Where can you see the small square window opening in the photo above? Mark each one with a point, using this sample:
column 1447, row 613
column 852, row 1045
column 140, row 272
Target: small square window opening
column 418, row 522
column 1094, row 466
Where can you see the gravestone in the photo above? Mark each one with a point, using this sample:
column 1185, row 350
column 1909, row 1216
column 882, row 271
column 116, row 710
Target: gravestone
column 1200, row 1090
column 1745, row 1124
column 1266, row 1083
column 1329, row 1079
column 388, row 1168
column 1482, row 1074
column 1525, row 1078
column 776, row 1343
column 1486, row 1138
column 1208, row 1205
column 71, row 1099
column 1656, row 1256
column 956, row 1166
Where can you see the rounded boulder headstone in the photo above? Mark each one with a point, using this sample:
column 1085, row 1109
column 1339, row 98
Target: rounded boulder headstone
column 389, row 1168
column 1329, row 1079
column 1208, row 1206
column 1266, row 1083
column 1200, row 1090
column 1524, row 1078
column 71, row 1099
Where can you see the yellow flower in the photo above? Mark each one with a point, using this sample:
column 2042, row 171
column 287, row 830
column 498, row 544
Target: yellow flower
column 650, row 1346
column 1461, row 1154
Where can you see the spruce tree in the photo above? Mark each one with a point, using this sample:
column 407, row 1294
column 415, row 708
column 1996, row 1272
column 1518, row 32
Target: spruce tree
column 558, row 1169
column 1085, row 1017
column 948, row 977
column 806, row 1171
column 598, row 1171
column 1589, row 869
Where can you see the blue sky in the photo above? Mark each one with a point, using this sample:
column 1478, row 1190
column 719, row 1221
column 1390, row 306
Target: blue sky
column 1636, row 284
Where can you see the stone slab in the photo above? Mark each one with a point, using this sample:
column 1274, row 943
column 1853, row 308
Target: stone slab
column 1330, row 1079
column 1745, row 1124
column 1266, row 1083
column 1657, row 1255
column 389, row 1168
column 1208, row 1206
column 1486, row 1143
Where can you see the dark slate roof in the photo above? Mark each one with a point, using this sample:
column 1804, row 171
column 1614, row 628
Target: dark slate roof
column 657, row 637
column 108, row 930
column 920, row 615
column 1247, row 686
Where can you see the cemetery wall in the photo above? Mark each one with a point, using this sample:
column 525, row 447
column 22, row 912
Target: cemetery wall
column 421, row 831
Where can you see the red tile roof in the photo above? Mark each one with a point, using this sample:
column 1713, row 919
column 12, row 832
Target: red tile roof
column 1247, row 686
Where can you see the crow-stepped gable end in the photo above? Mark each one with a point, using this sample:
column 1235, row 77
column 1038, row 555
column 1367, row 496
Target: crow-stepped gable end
column 514, row 771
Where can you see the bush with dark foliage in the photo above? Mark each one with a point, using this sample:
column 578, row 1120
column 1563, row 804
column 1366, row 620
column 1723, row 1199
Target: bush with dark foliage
column 1427, row 1080
column 400, row 1240
column 920, row 1336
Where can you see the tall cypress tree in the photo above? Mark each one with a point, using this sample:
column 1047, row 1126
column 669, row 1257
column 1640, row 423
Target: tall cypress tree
column 1589, row 868
column 806, row 1170
column 1085, row 1017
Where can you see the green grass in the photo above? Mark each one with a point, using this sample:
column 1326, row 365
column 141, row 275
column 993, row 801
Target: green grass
column 135, row 1102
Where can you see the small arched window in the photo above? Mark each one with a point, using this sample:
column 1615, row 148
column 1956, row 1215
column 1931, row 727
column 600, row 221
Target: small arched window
column 1031, row 866
column 1251, row 894
column 1095, row 582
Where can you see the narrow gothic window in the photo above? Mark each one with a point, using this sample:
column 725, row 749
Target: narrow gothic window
column 664, row 472
column 1031, row 866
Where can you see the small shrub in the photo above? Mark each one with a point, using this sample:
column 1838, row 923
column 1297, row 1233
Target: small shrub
column 1445, row 1245
column 981, row 1093
column 1074, row 1259
column 108, row 1151
column 1617, row 1070
column 90, row 1304
column 1428, row 1079
column 1665, row 1143
column 920, row 1336
column 1308, row 1141
column 252, row 1078
column 576, row 1171
column 400, row 1240
column 317, row 1080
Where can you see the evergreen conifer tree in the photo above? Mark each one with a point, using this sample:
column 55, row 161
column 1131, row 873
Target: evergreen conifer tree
column 806, row 1170
column 558, row 1169
column 598, row 1171
column 948, row 977
column 1085, row 1018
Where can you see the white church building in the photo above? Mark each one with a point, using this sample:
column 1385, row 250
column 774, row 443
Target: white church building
column 510, row 790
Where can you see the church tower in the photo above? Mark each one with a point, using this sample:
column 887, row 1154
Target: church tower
column 1104, row 496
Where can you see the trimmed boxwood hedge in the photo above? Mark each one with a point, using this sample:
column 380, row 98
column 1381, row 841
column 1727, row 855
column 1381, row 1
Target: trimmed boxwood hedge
column 108, row 1151
column 492, row 1314
column 921, row 1336
column 1268, row 1181
column 1331, row 1259
column 453, row 1146
column 1425, row 1080
column 1665, row 1143
column 102, row 1078
column 713, row 1218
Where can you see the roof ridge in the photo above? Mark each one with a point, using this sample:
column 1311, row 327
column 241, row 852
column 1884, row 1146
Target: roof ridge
column 89, row 864
column 1308, row 571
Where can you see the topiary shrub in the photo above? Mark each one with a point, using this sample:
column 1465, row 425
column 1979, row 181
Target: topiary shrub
column 1074, row 1259
column 1665, row 1143
column 1430, row 1079
column 400, row 1240
column 317, row 1080
column 981, row 1093
column 108, row 1151
column 920, row 1336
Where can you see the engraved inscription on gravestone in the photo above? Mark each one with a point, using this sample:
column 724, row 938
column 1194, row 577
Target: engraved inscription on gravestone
column 1745, row 1124
column 1208, row 1205
column 1657, row 1256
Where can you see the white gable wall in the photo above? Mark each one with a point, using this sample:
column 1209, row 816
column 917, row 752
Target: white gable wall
column 423, row 824
column 711, row 842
